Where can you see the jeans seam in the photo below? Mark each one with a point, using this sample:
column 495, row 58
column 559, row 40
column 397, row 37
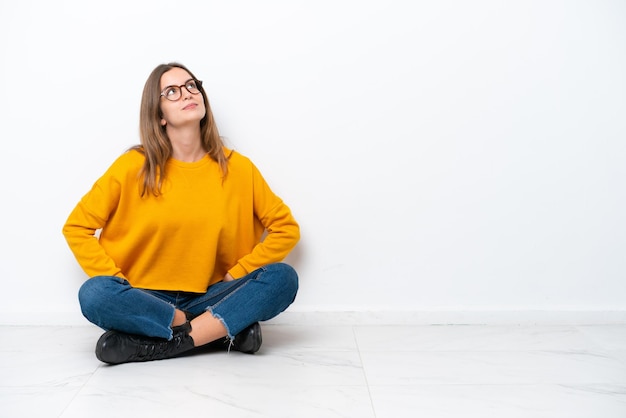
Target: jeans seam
column 231, row 293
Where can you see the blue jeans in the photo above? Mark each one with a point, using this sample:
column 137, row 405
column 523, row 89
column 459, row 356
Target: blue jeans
column 112, row 303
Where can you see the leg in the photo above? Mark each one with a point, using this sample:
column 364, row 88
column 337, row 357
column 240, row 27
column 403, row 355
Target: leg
column 180, row 318
column 140, row 323
column 206, row 328
column 111, row 303
column 259, row 296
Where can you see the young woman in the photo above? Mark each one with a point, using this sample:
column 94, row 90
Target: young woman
column 180, row 259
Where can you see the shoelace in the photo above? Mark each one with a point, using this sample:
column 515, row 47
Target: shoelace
column 157, row 348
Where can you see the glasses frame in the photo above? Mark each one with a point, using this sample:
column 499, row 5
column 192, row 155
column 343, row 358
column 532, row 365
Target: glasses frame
column 180, row 89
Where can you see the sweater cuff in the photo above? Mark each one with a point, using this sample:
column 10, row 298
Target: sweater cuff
column 237, row 271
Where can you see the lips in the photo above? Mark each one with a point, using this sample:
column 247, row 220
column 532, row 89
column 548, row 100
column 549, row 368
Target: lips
column 190, row 106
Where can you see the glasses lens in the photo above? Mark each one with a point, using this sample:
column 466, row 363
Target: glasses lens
column 193, row 86
column 171, row 93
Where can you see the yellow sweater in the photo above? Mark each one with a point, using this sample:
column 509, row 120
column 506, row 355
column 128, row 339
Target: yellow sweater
column 190, row 236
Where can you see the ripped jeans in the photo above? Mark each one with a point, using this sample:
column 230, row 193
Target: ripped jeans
column 112, row 303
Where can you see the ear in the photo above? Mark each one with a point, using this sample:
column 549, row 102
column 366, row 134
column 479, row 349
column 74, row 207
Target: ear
column 163, row 122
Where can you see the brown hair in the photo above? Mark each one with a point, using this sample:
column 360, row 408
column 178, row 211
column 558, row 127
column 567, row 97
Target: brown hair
column 155, row 144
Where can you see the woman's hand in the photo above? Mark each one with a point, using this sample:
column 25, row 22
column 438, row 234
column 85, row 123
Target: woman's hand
column 228, row 278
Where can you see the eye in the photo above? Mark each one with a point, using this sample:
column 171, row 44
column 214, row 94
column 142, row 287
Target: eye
column 170, row 91
column 191, row 85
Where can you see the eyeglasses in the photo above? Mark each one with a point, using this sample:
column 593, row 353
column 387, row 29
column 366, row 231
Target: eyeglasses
column 174, row 93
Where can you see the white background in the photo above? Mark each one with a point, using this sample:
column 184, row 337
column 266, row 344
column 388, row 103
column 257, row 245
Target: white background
column 439, row 156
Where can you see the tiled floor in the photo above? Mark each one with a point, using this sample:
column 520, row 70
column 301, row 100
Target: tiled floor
column 318, row 372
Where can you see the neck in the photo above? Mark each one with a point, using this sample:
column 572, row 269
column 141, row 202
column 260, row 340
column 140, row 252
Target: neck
column 186, row 144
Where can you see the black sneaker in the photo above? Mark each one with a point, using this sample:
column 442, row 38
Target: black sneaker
column 249, row 340
column 116, row 347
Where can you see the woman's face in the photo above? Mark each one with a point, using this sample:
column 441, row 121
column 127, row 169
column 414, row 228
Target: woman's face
column 188, row 109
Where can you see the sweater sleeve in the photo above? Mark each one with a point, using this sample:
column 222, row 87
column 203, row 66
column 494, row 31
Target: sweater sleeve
column 282, row 230
column 89, row 215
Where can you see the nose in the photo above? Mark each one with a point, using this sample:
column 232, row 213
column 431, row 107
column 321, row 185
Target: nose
column 184, row 92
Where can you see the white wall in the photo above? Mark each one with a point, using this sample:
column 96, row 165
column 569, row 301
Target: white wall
column 440, row 156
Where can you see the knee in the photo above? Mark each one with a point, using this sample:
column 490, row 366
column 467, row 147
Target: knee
column 96, row 290
column 286, row 279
